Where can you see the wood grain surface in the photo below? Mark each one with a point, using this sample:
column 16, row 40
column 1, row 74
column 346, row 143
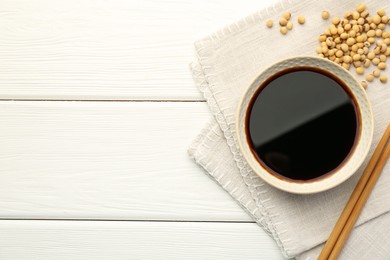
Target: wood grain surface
column 97, row 109
column 116, row 160
column 134, row 240
column 113, row 50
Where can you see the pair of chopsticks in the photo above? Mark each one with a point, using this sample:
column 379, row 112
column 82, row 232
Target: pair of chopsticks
column 358, row 198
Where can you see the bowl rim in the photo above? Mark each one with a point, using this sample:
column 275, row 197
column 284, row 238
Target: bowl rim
column 327, row 182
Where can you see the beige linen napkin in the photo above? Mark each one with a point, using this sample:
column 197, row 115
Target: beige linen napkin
column 226, row 63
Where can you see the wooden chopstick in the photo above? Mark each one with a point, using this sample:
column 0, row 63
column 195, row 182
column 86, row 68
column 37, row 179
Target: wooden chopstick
column 347, row 215
column 360, row 204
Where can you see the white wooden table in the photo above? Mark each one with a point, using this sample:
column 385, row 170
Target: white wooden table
column 97, row 109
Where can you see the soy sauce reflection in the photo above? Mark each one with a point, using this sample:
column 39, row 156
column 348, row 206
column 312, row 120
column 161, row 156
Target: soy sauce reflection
column 302, row 124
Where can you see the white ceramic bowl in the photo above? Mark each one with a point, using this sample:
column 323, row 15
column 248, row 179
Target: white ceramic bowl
column 360, row 149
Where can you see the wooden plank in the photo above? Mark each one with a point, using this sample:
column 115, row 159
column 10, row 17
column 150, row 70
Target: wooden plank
column 133, row 240
column 106, row 160
column 116, row 49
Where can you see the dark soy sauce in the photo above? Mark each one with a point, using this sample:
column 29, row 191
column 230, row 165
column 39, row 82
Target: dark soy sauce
column 302, row 124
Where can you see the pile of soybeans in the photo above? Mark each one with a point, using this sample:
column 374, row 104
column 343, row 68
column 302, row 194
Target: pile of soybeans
column 358, row 40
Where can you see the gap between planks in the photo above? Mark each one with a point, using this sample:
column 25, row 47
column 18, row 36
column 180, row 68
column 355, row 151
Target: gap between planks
column 104, row 100
column 133, row 220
